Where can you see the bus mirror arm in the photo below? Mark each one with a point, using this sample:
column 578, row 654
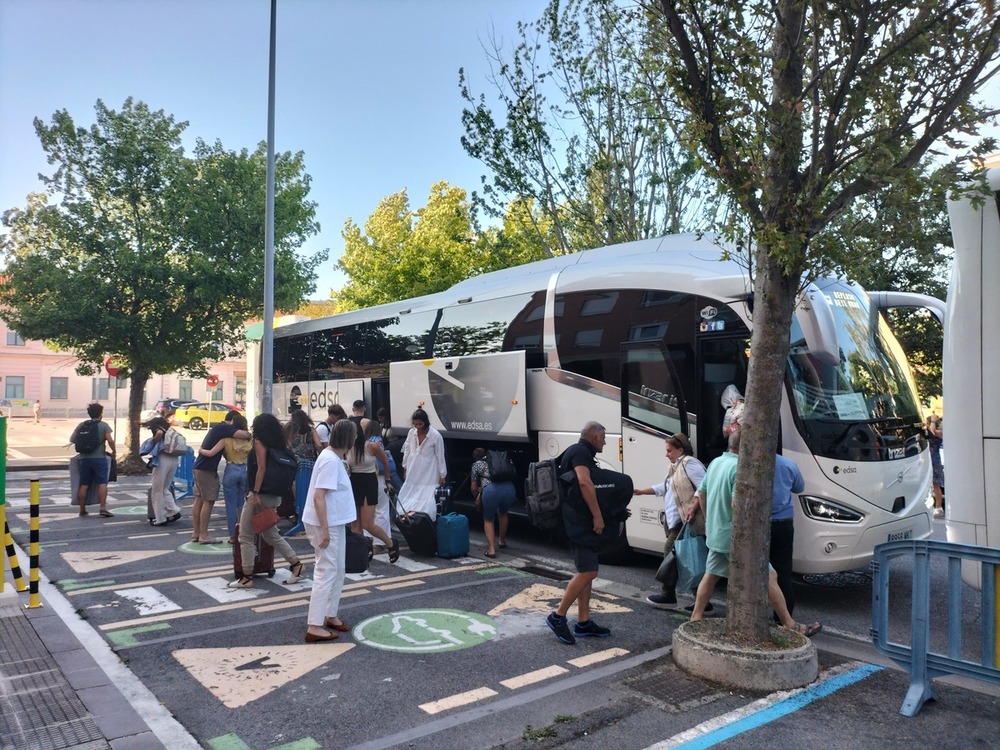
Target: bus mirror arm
column 889, row 300
column 818, row 326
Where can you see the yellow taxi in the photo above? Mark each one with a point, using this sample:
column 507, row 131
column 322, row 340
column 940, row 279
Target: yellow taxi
column 203, row 414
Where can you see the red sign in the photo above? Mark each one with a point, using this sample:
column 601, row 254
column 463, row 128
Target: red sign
column 212, row 381
column 112, row 367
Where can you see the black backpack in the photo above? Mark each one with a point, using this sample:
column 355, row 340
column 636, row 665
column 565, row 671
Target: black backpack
column 500, row 466
column 88, row 436
column 544, row 492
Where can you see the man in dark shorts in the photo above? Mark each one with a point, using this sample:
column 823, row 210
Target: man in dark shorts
column 94, row 466
column 581, row 514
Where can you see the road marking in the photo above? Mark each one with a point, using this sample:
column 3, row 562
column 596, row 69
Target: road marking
column 403, row 585
column 766, row 710
column 543, row 598
column 149, row 601
column 216, row 548
column 87, row 562
column 460, row 699
column 127, row 638
column 43, row 517
column 425, row 631
column 217, row 589
column 598, row 657
column 530, row 678
column 238, row 676
column 303, row 602
column 413, row 566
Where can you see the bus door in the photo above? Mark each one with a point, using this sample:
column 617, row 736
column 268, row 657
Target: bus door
column 652, row 407
column 721, row 362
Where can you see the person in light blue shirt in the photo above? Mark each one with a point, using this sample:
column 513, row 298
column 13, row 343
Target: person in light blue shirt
column 788, row 481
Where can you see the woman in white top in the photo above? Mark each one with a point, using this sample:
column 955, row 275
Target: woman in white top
column 424, row 466
column 329, row 509
column 678, row 492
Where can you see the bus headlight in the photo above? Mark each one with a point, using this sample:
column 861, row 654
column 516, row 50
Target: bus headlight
column 822, row 509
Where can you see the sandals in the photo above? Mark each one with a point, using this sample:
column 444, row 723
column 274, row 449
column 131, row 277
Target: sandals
column 342, row 626
column 807, row 630
column 298, row 570
column 243, row 582
column 394, row 552
column 107, row 514
column 310, row 638
column 490, row 555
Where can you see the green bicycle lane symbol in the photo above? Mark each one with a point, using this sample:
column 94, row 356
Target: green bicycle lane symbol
column 425, row 630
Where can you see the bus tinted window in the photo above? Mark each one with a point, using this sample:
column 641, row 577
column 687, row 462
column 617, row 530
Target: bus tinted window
column 496, row 325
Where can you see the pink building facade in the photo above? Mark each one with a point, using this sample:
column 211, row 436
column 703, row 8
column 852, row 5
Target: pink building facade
column 29, row 370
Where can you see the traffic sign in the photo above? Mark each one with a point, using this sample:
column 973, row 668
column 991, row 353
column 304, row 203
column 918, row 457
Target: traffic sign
column 112, row 366
column 212, row 381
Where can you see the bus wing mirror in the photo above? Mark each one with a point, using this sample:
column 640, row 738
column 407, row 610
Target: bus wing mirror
column 815, row 318
column 889, row 300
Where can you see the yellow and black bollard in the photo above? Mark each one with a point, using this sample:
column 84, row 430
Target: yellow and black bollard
column 15, row 565
column 33, row 598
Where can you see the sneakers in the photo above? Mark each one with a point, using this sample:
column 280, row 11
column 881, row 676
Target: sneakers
column 590, row 629
column 938, row 513
column 662, row 601
column 708, row 607
column 560, row 627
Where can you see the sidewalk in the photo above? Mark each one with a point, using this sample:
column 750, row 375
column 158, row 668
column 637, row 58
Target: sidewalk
column 61, row 686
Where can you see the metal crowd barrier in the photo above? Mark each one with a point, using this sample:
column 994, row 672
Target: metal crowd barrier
column 182, row 485
column 302, row 478
column 923, row 664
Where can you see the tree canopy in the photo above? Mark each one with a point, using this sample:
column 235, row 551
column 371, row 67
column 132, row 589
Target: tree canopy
column 798, row 110
column 139, row 251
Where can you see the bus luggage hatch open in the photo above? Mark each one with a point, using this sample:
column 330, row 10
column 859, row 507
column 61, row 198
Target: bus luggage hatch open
column 479, row 396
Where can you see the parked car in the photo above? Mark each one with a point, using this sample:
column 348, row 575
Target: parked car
column 164, row 407
column 202, row 414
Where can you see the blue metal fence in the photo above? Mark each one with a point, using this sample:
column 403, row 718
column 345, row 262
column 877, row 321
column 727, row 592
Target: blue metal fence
column 182, row 484
column 923, row 663
column 302, row 478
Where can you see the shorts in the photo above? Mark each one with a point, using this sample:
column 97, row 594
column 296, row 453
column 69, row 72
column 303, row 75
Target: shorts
column 585, row 558
column 498, row 497
column 717, row 564
column 94, row 471
column 206, row 485
column 365, row 487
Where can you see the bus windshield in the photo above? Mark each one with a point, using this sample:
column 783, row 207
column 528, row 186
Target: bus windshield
column 871, row 384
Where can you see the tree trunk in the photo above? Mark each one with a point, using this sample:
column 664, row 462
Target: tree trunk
column 774, row 299
column 132, row 463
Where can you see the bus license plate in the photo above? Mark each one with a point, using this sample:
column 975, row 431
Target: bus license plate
column 900, row 535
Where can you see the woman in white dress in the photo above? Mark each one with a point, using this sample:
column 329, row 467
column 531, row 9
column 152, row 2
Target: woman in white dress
column 423, row 465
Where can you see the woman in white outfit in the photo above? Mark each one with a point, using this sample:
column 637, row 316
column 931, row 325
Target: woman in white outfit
column 329, row 509
column 423, row 465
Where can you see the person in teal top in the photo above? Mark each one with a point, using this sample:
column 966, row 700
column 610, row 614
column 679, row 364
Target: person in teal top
column 716, row 499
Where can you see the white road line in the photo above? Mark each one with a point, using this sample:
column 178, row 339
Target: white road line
column 149, row 601
column 598, row 657
column 460, row 699
column 530, row 678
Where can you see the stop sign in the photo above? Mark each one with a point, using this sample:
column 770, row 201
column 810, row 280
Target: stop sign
column 112, row 367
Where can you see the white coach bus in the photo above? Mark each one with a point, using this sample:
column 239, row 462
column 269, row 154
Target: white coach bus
column 642, row 337
column 972, row 374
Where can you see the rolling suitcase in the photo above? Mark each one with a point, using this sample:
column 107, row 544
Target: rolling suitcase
column 263, row 561
column 418, row 531
column 452, row 535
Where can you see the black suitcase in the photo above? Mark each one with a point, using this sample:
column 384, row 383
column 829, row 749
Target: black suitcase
column 418, row 531
column 263, row 561
column 357, row 552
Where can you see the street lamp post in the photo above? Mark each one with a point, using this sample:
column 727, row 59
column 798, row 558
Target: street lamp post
column 267, row 341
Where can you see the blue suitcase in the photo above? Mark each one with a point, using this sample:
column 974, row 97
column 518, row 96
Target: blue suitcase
column 453, row 535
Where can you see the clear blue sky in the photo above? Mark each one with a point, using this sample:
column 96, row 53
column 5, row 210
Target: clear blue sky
column 367, row 89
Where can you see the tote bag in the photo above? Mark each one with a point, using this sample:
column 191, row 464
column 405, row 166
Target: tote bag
column 692, row 552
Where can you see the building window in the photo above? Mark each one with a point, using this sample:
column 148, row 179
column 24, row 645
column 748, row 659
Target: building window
column 215, row 394
column 59, row 389
column 591, row 338
column 14, row 386
column 14, row 339
column 240, row 394
column 121, row 382
column 184, row 389
column 99, row 389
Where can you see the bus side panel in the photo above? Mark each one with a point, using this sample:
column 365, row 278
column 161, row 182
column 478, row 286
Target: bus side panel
column 647, row 464
column 479, row 397
column 559, row 401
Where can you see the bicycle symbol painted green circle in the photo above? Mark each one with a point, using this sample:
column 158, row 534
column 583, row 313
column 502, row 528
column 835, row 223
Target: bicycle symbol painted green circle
column 423, row 631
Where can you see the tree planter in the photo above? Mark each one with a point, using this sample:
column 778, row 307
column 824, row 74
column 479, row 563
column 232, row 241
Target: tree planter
column 701, row 649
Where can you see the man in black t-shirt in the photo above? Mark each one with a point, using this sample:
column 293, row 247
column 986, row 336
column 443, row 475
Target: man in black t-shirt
column 581, row 514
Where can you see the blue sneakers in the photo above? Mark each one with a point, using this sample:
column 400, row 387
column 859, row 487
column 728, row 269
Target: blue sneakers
column 590, row 629
column 560, row 627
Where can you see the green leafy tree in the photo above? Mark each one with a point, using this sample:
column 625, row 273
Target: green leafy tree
column 582, row 132
column 139, row 251
column 797, row 110
column 404, row 253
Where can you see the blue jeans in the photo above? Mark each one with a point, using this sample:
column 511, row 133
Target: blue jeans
column 234, row 490
column 498, row 497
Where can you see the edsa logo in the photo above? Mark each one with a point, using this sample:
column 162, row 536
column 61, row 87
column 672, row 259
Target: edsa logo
column 322, row 399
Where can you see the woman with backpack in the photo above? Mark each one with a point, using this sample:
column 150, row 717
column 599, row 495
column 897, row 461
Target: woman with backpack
column 164, row 462
column 495, row 498
column 301, row 436
column 267, row 436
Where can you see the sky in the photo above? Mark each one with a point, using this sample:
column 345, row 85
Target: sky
column 367, row 89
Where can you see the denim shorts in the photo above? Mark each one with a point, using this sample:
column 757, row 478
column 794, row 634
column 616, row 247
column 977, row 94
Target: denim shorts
column 498, row 497
column 94, row 471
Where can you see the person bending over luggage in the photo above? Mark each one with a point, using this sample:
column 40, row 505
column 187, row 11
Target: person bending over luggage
column 494, row 498
column 362, row 459
column 267, row 434
column 329, row 509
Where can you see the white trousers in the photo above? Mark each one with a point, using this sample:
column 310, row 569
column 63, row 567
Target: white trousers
column 328, row 573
